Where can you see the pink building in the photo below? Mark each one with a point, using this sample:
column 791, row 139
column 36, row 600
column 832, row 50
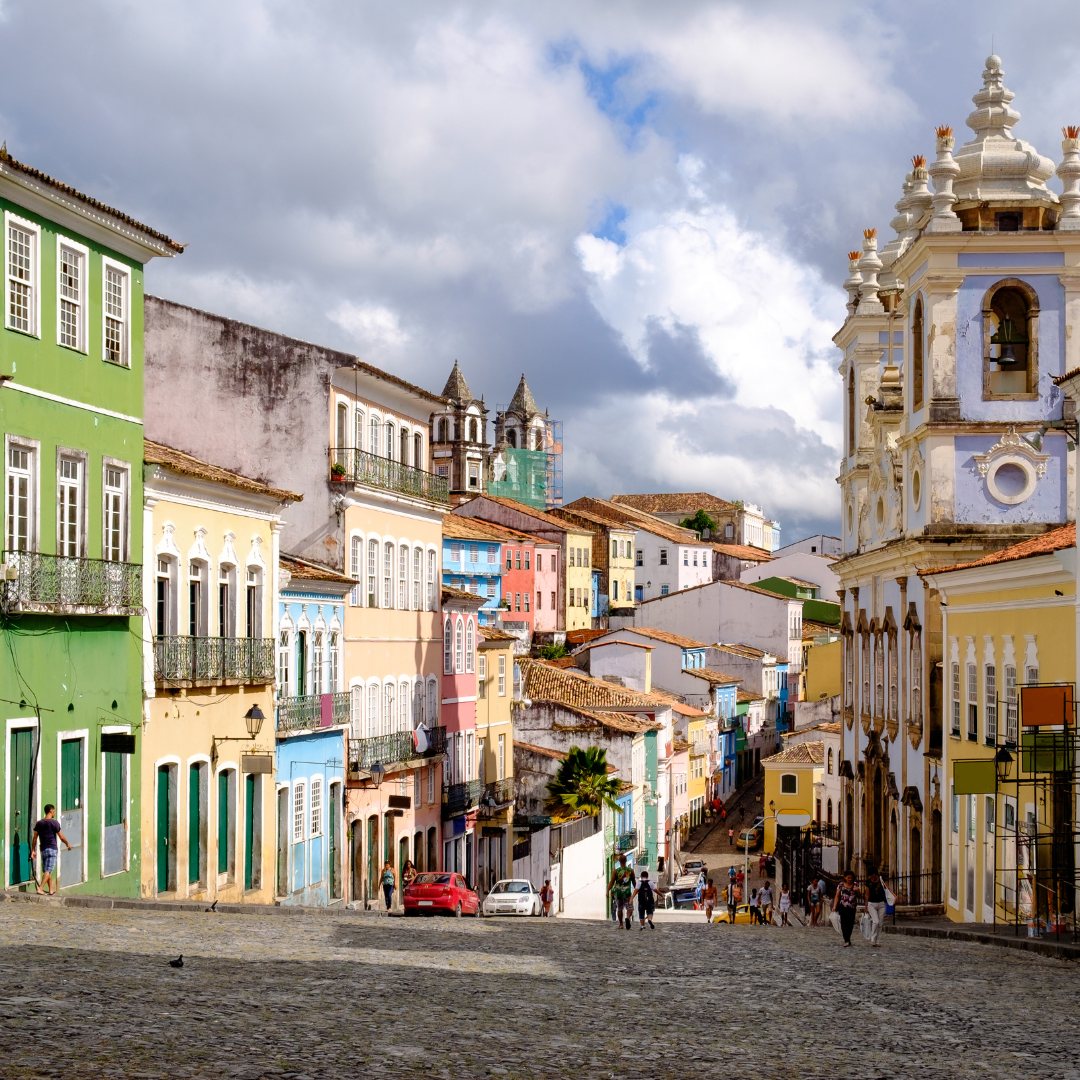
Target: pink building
column 461, row 776
column 547, row 615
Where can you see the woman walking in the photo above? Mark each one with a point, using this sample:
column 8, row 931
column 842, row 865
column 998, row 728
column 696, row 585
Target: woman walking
column 389, row 882
column 785, row 905
column 845, row 901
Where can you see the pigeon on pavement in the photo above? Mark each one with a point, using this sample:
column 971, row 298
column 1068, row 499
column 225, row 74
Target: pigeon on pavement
column 178, row 962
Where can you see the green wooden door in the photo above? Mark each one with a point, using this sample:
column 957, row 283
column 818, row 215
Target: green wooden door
column 72, row 810
column 249, row 831
column 114, row 835
column 332, row 853
column 164, row 822
column 195, row 825
column 20, row 800
column 224, row 823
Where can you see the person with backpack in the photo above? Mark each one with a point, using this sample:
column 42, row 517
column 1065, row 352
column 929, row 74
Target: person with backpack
column 646, row 901
column 621, row 887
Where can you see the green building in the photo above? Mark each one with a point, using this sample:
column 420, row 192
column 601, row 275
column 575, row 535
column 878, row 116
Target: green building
column 71, row 589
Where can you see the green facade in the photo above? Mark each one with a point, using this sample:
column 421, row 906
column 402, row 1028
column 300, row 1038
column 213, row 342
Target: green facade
column 71, row 653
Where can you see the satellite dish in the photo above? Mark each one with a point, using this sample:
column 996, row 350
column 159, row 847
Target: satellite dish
column 793, row 819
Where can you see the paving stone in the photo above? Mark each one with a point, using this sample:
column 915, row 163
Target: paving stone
column 307, row 996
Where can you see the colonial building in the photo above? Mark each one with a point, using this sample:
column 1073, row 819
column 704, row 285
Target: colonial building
column 526, row 461
column 954, row 334
column 71, row 413
column 459, row 445
column 210, row 593
column 737, row 522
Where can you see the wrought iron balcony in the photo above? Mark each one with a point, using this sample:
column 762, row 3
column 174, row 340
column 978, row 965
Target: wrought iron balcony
column 65, row 586
column 352, row 466
column 309, row 712
column 626, row 841
column 699, row 746
column 496, row 796
column 212, row 660
column 459, row 798
column 393, row 749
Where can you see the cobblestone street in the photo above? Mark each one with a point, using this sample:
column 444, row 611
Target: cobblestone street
column 89, row 993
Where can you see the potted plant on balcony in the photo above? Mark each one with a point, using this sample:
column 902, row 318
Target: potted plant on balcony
column 337, row 472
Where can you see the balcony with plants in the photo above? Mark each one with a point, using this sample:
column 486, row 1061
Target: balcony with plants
column 351, row 466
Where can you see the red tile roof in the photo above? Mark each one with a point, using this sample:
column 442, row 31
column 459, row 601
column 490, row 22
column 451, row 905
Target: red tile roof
column 155, row 453
column 743, row 551
column 1048, row 542
column 674, row 502
column 806, row 753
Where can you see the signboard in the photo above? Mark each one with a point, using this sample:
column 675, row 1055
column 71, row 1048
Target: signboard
column 974, row 777
column 1046, row 706
column 792, row 819
column 399, row 802
column 117, row 742
column 257, row 763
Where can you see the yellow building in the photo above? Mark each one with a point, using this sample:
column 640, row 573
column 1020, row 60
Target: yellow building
column 791, row 779
column 210, row 582
column 821, row 665
column 495, row 741
column 1009, row 651
column 697, row 774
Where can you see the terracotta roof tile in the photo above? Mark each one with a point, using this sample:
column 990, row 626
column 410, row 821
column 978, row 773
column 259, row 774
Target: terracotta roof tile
column 811, row 629
column 806, row 753
column 743, row 551
column 743, row 697
column 450, row 593
column 540, row 751
column 583, row 694
column 678, row 705
column 456, row 527
column 8, row 162
column 627, row 516
column 748, row 652
column 711, row 675
column 306, row 570
column 531, row 511
column 1045, row 544
column 666, row 636
column 675, row 502
column 177, row 461
column 495, row 635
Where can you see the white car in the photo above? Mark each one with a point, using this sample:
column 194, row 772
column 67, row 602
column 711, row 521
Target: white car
column 512, row 896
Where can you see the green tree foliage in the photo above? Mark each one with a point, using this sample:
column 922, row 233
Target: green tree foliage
column 552, row 652
column 582, row 784
column 700, row 522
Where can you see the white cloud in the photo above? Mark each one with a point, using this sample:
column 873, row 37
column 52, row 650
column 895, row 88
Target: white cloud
column 374, row 328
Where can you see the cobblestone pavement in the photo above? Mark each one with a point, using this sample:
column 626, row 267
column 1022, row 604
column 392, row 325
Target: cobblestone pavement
column 89, row 993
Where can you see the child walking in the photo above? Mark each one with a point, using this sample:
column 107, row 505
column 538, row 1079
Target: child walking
column 646, row 900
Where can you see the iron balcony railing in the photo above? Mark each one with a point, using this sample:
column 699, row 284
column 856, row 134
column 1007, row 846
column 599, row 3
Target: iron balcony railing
column 54, row 583
column 496, row 796
column 392, row 749
column 309, row 712
column 699, row 746
column 210, row 660
column 459, row 798
column 626, row 841
column 359, row 467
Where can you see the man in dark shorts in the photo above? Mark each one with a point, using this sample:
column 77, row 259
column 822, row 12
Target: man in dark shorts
column 646, row 900
column 47, row 830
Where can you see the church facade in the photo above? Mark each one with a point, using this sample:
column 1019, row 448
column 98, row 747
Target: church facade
column 953, row 448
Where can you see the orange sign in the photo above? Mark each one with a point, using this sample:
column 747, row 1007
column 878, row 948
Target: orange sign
column 1047, row 706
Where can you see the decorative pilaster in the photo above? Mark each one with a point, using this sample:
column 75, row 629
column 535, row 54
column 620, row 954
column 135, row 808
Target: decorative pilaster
column 1069, row 173
column 944, row 172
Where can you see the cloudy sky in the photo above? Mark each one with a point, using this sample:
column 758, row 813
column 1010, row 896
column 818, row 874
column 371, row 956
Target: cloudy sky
column 644, row 206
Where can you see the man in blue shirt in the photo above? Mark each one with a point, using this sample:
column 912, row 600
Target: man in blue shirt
column 47, row 830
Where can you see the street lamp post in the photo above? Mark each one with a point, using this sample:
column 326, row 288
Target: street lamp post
column 377, row 774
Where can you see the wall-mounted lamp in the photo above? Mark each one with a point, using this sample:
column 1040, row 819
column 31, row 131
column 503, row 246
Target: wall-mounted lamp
column 378, row 771
column 253, row 718
column 1002, row 760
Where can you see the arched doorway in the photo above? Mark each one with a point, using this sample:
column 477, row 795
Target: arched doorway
column 356, row 851
column 893, row 854
column 934, row 889
column 915, row 865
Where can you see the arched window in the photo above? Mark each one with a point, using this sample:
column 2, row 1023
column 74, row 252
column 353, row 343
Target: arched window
column 358, row 429
column 443, row 430
column 431, row 581
column 404, row 706
column 373, row 428
column 403, row 578
column 388, row 576
column 1010, row 340
column 417, row 574
column 473, row 428
column 538, row 439
column 391, row 446
column 448, row 648
column 356, row 568
column 432, row 702
column 372, row 717
column 418, row 451
column 356, row 712
column 459, row 646
column 470, row 644
column 917, row 355
column 341, row 431
column 388, row 709
column 405, row 447
column 828, row 812
column 372, row 571
column 511, row 437
column 830, row 761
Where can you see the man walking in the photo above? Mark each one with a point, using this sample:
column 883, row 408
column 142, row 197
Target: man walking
column 621, row 886
column 47, row 830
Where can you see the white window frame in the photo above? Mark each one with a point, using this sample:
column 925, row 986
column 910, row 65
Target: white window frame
column 502, row 676
column 470, row 645
column 1011, row 704
column 33, row 285
column 107, row 265
column 448, row 647
column 32, row 474
column 299, row 811
column 356, row 569
column 990, row 708
column 459, row 645
column 83, row 258
column 125, row 504
column 315, row 806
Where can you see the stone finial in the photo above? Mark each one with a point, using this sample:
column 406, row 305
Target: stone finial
column 944, row 172
column 920, row 199
column 993, row 115
column 869, row 267
column 853, row 281
column 1069, row 173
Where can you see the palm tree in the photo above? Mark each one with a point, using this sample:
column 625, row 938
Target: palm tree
column 582, row 785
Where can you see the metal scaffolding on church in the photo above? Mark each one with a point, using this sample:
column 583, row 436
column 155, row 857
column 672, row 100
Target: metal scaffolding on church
column 533, row 477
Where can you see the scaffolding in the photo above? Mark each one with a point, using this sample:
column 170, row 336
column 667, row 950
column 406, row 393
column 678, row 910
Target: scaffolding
column 1036, row 786
column 533, row 477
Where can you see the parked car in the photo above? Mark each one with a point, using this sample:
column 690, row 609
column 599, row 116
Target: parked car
column 748, row 838
column 682, row 892
column 694, row 866
column 429, row 894
column 512, row 896
column 742, row 915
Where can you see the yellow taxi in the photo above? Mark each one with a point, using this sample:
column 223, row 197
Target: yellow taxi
column 742, row 915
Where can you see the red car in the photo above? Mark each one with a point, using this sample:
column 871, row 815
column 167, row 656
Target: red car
column 447, row 892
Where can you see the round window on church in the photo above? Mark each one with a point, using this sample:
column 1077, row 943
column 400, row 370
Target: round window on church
column 916, row 489
column 1011, row 481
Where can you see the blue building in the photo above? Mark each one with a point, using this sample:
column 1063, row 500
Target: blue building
column 724, row 776
column 599, row 603
column 784, row 719
column 472, row 561
column 311, row 725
